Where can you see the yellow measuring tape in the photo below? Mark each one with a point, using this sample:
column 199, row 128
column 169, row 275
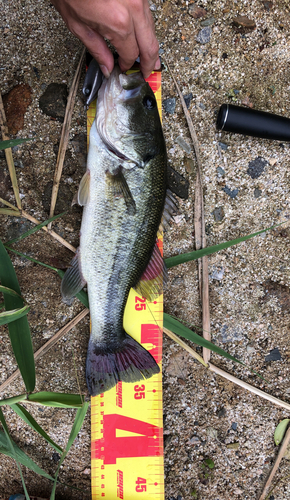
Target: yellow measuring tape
column 127, row 421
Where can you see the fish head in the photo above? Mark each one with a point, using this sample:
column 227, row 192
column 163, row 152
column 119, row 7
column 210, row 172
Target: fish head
column 128, row 120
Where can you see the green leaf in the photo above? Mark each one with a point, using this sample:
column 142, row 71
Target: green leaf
column 280, row 431
column 178, row 328
column 28, row 418
column 10, row 143
column 56, row 399
column 2, row 305
column 11, row 449
column 13, row 400
column 9, row 316
column 34, row 229
column 197, row 254
column 209, row 462
column 80, row 416
column 19, row 331
column 30, row 258
column 9, row 291
column 20, row 456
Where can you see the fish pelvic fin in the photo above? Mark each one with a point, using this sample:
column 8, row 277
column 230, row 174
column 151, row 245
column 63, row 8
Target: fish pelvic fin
column 73, row 280
column 154, row 277
column 108, row 364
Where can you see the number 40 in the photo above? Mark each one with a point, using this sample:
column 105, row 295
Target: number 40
column 141, row 484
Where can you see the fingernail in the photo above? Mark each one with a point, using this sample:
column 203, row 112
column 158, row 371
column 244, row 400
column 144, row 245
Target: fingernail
column 105, row 70
column 157, row 64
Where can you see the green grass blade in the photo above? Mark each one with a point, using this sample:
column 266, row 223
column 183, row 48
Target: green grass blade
column 2, row 305
column 11, row 448
column 28, row 418
column 4, row 289
column 10, row 143
column 20, row 456
column 197, row 254
column 13, row 400
column 30, row 258
column 7, row 317
column 19, row 331
column 34, row 229
column 80, row 416
column 178, row 328
column 56, row 399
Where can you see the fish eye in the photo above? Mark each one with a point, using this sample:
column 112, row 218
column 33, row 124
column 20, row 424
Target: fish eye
column 149, row 102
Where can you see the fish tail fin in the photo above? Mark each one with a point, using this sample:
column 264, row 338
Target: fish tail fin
column 125, row 361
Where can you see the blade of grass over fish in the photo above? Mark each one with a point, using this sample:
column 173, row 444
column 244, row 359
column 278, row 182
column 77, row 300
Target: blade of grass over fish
column 4, row 289
column 20, row 456
column 28, row 418
column 11, row 448
column 56, row 399
column 187, row 257
column 11, row 143
column 19, row 331
column 7, row 317
column 13, row 400
column 178, row 328
column 80, row 416
column 34, row 229
column 8, row 154
column 9, row 211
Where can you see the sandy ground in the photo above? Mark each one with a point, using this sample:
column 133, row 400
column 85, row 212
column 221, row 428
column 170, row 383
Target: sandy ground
column 204, row 415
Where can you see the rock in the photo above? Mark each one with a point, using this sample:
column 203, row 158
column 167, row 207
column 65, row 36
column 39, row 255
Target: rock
column 234, row 426
column 221, row 413
column 169, row 105
column 53, row 100
column 257, row 192
column 196, row 11
column 187, row 98
column 204, row 35
column 220, row 171
column 183, row 144
column 201, row 106
column 211, row 432
column 223, row 146
column 177, row 183
column 207, row 22
column 15, row 104
column 244, row 23
column 274, row 355
column 231, row 335
column 231, row 192
column 233, row 446
column 246, row 102
column 189, row 165
column 56, row 457
column 281, row 292
column 217, row 274
column 256, row 167
column 268, row 5
column 218, row 214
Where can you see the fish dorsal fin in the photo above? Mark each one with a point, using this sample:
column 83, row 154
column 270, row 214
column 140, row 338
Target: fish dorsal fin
column 118, row 187
column 170, row 208
column 84, row 189
column 151, row 282
column 73, row 281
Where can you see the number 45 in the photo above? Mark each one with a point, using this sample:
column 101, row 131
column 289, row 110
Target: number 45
column 141, row 484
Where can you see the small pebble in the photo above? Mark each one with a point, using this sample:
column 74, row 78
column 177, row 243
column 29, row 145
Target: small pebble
column 257, row 193
column 223, row 146
column 234, row 426
column 222, row 412
column 231, row 192
column 204, row 35
column 220, row 171
column 196, row 12
column 208, row 22
column 218, row 214
column 187, row 98
column 274, row 355
column 243, row 22
column 183, row 144
column 256, row 167
column 169, row 105
column 233, row 446
column 201, row 106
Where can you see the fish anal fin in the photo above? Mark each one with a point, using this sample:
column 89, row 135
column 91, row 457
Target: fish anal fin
column 84, row 189
column 151, row 282
column 119, row 187
column 73, row 281
column 108, row 364
column 170, row 208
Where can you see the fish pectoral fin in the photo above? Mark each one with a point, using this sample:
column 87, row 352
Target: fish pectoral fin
column 73, row 281
column 170, row 208
column 84, row 189
column 118, row 187
column 151, row 282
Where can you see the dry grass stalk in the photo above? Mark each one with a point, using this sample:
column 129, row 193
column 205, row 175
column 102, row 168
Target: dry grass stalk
column 48, row 345
column 8, row 204
column 65, row 135
column 199, row 225
column 185, row 346
column 52, row 233
column 280, row 455
column 8, row 154
column 9, row 211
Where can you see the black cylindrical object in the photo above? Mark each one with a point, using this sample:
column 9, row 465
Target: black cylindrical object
column 253, row 122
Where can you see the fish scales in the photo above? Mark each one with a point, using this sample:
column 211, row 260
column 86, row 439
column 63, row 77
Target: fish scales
column 126, row 175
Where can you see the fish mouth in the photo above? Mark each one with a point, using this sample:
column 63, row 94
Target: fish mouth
column 112, row 117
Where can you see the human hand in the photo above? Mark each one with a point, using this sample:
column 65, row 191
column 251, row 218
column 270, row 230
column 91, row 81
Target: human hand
column 127, row 24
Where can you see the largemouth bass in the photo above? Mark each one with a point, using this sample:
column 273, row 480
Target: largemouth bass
column 123, row 192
